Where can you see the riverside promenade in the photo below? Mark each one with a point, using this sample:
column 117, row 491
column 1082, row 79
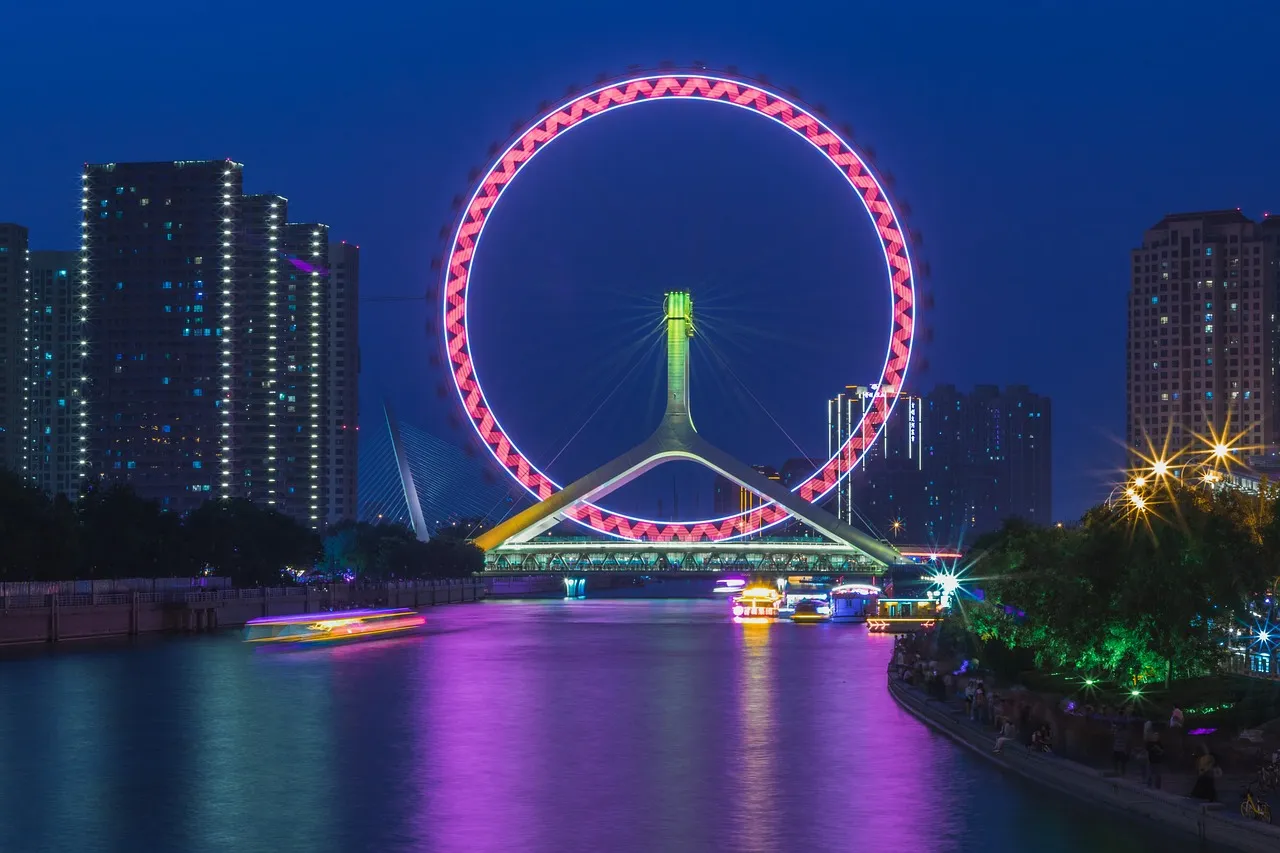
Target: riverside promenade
column 1218, row 824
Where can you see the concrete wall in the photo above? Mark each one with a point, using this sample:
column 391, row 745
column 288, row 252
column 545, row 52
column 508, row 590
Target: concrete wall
column 54, row 618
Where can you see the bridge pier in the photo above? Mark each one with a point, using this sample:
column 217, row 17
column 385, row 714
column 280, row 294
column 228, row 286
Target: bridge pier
column 575, row 587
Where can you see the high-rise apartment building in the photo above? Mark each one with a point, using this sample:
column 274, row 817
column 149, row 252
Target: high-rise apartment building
column 729, row 498
column 209, row 319
column 302, row 338
column 14, row 319
column 1202, row 342
column 896, row 452
column 160, row 246
column 947, row 465
column 54, row 372
column 342, row 373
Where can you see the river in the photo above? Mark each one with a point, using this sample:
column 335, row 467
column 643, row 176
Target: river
column 596, row 725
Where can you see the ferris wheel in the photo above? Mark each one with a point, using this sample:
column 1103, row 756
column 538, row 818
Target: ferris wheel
column 714, row 90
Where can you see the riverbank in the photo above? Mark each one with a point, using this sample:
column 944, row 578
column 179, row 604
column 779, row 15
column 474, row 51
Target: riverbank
column 58, row 617
column 1215, row 823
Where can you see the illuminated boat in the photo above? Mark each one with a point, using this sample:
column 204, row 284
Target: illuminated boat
column 903, row 615
column 756, row 604
column 853, row 602
column 328, row 627
column 729, row 586
column 811, row 610
column 803, row 588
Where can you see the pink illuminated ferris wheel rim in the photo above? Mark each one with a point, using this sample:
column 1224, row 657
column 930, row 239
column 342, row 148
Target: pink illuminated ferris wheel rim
column 712, row 89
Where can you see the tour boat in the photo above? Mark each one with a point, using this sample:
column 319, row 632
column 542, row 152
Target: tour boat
column 811, row 610
column 327, row 627
column 757, row 603
column 729, row 586
column 903, row 615
column 853, row 602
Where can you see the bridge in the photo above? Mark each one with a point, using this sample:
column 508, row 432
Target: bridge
column 524, row 543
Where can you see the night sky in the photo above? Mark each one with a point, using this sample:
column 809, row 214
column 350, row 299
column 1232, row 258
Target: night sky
column 1035, row 141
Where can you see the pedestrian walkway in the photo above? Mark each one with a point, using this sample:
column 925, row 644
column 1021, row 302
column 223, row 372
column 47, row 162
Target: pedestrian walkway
column 1219, row 823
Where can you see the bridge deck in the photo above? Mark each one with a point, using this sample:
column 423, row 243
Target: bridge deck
column 764, row 555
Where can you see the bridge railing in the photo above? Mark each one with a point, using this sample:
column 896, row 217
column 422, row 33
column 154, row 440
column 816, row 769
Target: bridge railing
column 213, row 596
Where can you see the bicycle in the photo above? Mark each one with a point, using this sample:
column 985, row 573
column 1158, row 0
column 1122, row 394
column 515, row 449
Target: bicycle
column 1268, row 777
column 1254, row 807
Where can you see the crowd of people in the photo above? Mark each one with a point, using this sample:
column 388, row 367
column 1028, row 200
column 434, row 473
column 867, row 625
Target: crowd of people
column 1017, row 716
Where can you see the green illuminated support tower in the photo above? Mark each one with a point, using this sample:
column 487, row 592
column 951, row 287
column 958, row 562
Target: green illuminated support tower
column 676, row 439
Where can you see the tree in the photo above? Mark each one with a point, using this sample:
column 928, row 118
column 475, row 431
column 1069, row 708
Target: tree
column 38, row 535
column 1135, row 594
column 252, row 545
column 126, row 536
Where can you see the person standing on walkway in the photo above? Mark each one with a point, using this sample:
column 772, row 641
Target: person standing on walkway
column 979, row 703
column 969, row 690
column 1155, row 759
column 1120, row 747
column 1207, row 773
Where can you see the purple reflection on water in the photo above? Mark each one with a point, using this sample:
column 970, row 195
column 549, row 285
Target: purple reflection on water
column 591, row 725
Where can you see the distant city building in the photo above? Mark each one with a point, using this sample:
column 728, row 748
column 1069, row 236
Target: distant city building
column 54, row 372
column 1202, row 348
column 342, row 372
column 14, row 354
column 729, row 498
column 949, row 465
column 209, row 320
column 896, row 456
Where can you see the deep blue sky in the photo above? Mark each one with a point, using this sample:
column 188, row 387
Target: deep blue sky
column 1034, row 140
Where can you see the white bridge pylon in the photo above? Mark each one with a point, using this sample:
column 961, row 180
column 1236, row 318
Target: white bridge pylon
column 677, row 439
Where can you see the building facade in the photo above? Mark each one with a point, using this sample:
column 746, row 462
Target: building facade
column 54, row 371
column 896, row 456
column 207, row 325
column 342, row 375
column 948, row 465
column 1202, row 342
column 14, row 356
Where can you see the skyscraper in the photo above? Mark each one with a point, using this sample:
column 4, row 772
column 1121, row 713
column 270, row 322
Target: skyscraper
column 1202, row 343
column 14, row 355
column 302, row 334
column 160, row 246
column 208, row 323
column 950, row 464
column 342, row 374
column 898, row 451
column 54, row 372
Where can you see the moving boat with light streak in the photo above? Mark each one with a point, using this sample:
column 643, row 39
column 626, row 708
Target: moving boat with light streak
column 333, row 626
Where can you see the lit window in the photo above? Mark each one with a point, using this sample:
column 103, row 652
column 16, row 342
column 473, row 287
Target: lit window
column 197, row 464
column 1208, row 318
column 1164, row 321
column 1208, row 395
column 1208, row 329
column 1155, row 300
column 1208, row 250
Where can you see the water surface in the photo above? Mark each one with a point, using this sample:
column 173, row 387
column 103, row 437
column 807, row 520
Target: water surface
column 543, row 726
